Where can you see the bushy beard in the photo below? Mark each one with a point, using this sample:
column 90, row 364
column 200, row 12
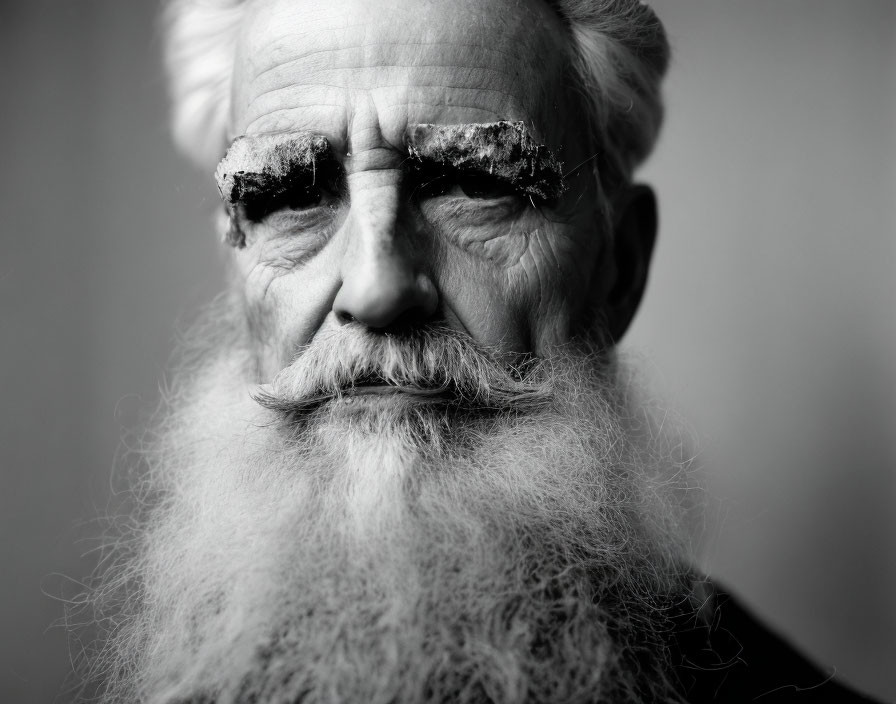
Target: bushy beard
column 506, row 533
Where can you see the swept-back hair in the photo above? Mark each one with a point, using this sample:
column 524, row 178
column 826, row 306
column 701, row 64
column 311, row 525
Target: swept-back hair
column 618, row 56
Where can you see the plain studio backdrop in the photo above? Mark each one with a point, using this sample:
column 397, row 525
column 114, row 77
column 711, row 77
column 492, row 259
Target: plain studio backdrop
column 769, row 320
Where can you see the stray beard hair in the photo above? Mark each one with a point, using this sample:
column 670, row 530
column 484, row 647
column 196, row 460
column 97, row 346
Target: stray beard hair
column 524, row 543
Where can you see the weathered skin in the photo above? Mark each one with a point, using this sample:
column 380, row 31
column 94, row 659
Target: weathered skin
column 511, row 275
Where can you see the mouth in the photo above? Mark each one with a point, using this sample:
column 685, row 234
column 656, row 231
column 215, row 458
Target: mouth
column 374, row 390
column 367, row 391
column 376, row 386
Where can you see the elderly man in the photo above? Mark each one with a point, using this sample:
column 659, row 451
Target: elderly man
column 401, row 462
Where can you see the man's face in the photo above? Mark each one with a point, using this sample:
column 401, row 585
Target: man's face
column 368, row 234
column 402, row 227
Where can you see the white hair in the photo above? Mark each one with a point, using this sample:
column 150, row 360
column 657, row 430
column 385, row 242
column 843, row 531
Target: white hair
column 618, row 56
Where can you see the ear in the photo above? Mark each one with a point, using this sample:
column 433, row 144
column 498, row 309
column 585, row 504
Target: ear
column 634, row 234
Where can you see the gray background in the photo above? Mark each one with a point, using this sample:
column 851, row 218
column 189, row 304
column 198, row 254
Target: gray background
column 769, row 322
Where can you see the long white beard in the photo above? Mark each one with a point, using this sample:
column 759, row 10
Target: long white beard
column 399, row 555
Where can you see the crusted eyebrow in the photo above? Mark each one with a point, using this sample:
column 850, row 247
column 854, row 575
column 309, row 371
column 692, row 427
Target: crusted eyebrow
column 505, row 149
column 258, row 168
column 257, row 162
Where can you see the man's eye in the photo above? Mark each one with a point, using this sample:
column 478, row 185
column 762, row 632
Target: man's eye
column 484, row 186
column 433, row 186
column 298, row 196
column 303, row 198
column 471, row 185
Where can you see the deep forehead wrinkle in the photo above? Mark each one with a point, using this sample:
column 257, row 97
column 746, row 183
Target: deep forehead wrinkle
column 256, row 162
column 505, row 149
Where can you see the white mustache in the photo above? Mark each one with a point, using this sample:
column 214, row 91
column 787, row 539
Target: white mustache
column 436, row 363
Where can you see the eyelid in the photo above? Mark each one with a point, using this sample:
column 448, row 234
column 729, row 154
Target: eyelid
column 304, row 231
column 264, row 198
column 434, row 173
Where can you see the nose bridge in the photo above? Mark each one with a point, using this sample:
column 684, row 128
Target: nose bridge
column 374, row 214
column 382, row 277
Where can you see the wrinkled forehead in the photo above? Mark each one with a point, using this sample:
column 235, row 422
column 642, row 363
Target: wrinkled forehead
column 304, row 64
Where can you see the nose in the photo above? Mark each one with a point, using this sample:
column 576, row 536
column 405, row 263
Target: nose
column 383, row 283
column 382, row 290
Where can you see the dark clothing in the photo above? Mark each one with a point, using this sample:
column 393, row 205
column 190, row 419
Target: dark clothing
column 723, row 654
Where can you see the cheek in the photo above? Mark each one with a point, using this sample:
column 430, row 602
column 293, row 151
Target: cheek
column 476, row 298
column 519, row 285
column 552, row 263
column 554, row 278
column 285, row 305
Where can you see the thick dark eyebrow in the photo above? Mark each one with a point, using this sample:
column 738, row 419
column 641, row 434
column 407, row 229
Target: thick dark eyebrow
column 256, row 165
column 504, row 149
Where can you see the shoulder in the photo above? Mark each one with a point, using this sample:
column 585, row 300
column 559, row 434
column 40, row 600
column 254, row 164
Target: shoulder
column 722, row 653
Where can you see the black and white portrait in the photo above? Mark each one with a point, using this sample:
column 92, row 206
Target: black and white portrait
column 448, row 351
